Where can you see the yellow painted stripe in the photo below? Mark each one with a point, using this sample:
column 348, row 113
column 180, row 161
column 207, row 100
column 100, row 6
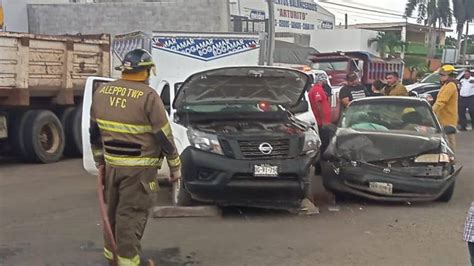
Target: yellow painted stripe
column 174, row 162
column 123, row 127
column 133, row 161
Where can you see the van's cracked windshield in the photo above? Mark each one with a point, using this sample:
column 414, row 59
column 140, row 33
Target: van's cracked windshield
column 236, row 132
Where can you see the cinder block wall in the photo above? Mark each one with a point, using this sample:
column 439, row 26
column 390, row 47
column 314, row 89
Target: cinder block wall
column 122, row 17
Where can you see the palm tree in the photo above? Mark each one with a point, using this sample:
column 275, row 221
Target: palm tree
column 387, row 42
column 463, row 11
column 431, row 12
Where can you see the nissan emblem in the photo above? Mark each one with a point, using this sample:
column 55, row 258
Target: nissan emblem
column 265, row 148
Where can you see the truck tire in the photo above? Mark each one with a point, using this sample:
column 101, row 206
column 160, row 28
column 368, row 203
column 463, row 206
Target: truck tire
column 180, row 196
column 16, row 132
column 77, row 129
column 69, row 149
column 44, row 141
column 71, row 122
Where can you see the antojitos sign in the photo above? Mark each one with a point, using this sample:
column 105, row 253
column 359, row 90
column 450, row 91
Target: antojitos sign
column 298, row 16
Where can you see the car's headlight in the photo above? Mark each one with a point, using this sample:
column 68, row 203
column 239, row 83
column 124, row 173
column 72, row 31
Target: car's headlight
column 204, row 141
column 312, row 142
column 433, row 158
column 426, row 97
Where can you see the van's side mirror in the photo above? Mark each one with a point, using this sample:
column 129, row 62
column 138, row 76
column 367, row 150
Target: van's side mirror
column 165, row 98
column 301, row 107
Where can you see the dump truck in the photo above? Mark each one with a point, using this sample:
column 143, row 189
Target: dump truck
column 42, row 80
column 367, row 66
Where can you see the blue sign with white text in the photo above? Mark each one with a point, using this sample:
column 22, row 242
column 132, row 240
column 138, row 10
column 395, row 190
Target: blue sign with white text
column 205, row 49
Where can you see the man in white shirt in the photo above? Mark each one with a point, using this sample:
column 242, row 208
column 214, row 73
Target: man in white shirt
column 466, row 99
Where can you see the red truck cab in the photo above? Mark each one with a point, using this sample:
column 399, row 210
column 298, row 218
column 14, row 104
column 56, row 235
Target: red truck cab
column 367, row 66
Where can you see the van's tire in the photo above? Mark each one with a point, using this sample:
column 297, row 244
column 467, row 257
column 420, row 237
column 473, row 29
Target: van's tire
column 448, row 194
column 180, row 196
column 71, row 120
column 44, row 140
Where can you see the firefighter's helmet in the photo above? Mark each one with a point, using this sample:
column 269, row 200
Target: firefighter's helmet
column 447, row 69
column 135, row 61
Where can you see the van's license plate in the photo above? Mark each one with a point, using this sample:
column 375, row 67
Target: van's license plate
column 379, row 187
column 263, row 170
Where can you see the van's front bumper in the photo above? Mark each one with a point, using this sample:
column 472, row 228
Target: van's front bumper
column 224, row 181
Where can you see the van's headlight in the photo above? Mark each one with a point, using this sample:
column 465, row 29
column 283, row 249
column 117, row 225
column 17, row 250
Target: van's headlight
column 312, row 142
column 204, row 141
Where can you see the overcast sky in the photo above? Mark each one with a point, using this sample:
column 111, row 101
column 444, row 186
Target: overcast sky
column 359, row 16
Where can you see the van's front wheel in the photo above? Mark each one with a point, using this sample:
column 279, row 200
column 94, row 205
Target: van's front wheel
column 179, row 194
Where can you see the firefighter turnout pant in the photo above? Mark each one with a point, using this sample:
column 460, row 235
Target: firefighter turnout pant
column 129, row 193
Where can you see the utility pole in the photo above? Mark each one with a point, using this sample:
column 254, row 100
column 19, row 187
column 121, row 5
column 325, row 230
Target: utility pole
column 270, row 32
column 466, row 42
column 345, row 21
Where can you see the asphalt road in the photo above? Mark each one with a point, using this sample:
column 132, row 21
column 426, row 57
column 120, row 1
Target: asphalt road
column 49, row 216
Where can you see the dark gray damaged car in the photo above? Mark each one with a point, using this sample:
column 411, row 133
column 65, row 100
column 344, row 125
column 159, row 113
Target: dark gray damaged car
column 390, row 149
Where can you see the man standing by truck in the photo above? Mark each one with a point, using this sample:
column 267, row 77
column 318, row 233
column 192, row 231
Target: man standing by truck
column 130, row 134
column 394, row 86
column 352, row 90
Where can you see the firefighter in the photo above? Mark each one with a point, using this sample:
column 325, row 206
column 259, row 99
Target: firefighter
column 130, row 136
column 446, row 105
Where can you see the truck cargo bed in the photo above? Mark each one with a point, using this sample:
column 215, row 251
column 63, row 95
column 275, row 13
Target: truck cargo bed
column 52, row 68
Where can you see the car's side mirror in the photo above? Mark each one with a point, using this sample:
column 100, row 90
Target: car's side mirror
column 448, row 130
column 301, row 107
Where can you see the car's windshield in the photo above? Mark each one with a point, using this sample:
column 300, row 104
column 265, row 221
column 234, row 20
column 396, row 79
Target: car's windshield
column 390, row 116
column 431, row 78
column 330, row 66
column 434, row 77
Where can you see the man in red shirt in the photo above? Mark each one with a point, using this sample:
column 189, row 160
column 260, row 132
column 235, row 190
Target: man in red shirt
column 320, row 102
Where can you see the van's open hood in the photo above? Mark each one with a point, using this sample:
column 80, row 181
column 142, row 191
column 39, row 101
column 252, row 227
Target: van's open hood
column 243, row 85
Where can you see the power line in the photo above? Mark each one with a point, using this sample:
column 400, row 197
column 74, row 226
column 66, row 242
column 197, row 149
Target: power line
column 367, row 9
column 342, row 11
column 359, row 16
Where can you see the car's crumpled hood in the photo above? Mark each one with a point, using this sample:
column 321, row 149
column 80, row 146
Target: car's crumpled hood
column 378, row 146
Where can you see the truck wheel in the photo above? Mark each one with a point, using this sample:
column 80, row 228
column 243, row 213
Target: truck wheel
column 180, row 196
column 71, row 122
column 77, row 128
column 65, row 122
column 448, row 194
column 44, row 141
column 16, row 132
